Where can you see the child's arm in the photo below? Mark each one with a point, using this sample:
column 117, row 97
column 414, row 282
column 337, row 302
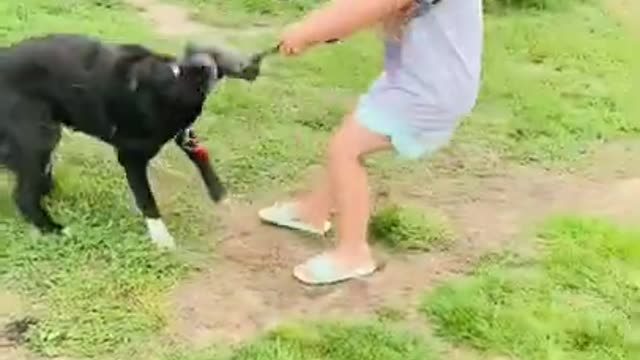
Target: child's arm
column 341, row 18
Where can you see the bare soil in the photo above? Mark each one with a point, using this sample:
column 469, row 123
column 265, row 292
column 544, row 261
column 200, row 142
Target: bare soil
column 177, row 21
column 249, row 288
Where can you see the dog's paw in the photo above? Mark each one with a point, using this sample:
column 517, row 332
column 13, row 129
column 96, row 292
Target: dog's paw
column 218, row 195
column 160, row 234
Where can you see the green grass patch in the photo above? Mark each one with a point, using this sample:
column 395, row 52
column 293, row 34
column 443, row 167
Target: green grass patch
column 579, row 300
column 102, row 18
column 410, row 228
column 562, row 78
column 99, row 288
column 327, row 341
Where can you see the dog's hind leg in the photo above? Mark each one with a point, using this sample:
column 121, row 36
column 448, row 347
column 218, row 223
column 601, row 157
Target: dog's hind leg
column 135, row 166
column 30, row 188
column 34, row 137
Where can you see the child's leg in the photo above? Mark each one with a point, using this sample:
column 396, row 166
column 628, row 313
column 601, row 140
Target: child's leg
column 316, row 205
column 311, row 210
column 382, row 120
column 349, row 189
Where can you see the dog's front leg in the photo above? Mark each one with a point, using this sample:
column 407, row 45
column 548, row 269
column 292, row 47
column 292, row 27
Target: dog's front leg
column 198, row 154
column 135, row 166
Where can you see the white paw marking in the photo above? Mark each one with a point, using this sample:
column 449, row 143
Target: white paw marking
column 159, row 234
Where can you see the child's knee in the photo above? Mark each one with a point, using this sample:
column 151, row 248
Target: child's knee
column 342, row 147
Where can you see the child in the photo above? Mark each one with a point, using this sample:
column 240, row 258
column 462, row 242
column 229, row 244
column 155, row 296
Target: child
column 430, row 81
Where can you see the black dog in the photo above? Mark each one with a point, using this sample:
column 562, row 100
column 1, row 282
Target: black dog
column 123, row 94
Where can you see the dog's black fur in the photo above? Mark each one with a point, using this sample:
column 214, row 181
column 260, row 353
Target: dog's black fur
column 123, row 94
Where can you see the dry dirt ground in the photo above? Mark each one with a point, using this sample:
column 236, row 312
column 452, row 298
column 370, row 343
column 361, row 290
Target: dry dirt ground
column 175, row 20
column 249, row 287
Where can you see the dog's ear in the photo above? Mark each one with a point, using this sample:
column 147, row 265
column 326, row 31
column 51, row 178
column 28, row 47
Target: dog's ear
column 129, row 55
column 135, row 62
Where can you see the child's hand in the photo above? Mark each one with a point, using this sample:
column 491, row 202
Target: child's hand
column 294, row 40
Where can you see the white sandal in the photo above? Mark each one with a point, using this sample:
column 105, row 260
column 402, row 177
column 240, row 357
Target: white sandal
column 285, row 215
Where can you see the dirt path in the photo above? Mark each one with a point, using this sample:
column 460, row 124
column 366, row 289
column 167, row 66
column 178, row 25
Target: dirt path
column 250, row 287
column 177, row 21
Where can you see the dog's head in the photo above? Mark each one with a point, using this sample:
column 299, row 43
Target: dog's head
column 165, row 77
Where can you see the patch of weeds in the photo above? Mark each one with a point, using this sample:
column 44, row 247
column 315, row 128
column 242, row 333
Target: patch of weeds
column 410, row 228
column 327, row 341
column 578, row 301
column 564, row 94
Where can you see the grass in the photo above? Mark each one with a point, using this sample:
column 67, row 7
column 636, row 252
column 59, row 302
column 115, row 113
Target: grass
column 555, row 85
column 409, row 228
column 564, row 94
column 327, row 341
column 579, row 300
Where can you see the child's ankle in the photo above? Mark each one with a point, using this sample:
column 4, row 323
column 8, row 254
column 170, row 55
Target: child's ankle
column 312, row 215
column 355, row 253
